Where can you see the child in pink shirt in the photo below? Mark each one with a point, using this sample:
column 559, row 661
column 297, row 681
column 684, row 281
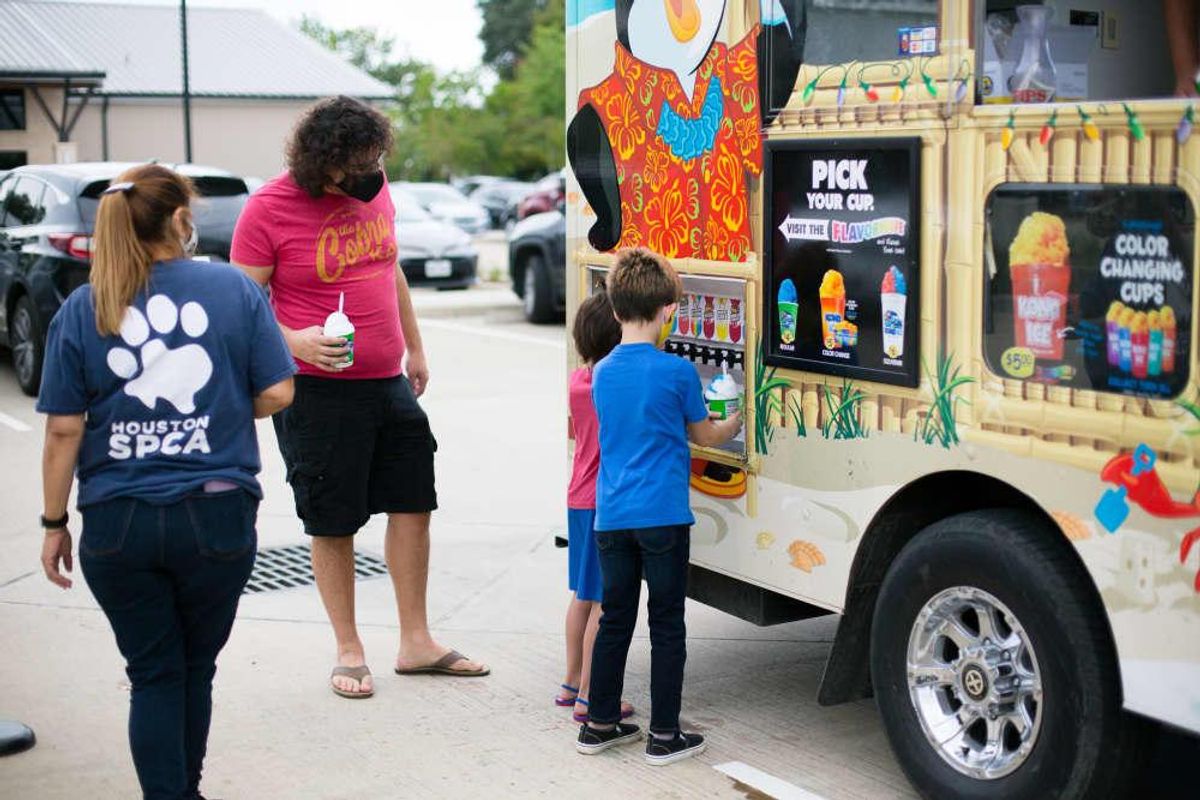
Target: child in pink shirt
column 596, row 333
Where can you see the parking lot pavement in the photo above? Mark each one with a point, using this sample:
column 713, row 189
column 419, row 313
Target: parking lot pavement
column 493, row 256
column 497, row 593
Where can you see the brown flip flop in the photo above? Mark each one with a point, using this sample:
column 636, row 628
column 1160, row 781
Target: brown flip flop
column 442, row 667
column 355, row 673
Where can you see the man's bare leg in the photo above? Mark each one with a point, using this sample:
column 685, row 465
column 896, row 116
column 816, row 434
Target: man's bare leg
column 333, row 567
column 406, row 548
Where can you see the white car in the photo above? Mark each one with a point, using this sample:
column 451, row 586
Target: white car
column 432, row 253
column 450, row 205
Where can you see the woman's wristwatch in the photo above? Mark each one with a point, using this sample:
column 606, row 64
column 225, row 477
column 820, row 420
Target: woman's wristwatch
column 55, row 524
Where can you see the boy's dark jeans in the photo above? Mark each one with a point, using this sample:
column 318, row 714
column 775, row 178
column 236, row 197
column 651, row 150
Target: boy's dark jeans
column 169, row 579
column 662, row 554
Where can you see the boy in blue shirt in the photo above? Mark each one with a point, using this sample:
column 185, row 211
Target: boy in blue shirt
column 648, row 404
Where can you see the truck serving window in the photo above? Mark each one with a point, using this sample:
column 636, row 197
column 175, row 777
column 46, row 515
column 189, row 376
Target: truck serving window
column 843, row 31
column 1090, row 287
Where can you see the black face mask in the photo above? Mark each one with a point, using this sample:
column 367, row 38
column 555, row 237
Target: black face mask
column 362, row 187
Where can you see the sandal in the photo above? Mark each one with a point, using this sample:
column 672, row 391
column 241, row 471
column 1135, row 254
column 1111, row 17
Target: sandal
column 355, row 673
column 443, row 667
column 626, row 711
column 563, row 702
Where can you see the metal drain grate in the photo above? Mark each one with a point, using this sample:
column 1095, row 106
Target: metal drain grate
column 291, row 566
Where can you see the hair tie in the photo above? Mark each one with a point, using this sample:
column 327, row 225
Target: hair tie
column 123, row 186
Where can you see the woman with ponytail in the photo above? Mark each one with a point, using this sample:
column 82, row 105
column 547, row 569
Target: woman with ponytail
column 154, row 375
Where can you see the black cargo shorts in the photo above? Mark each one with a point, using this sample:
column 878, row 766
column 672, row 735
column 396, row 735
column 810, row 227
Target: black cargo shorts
column 354, row 448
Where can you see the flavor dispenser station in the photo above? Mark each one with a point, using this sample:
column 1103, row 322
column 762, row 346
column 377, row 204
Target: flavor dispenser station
column 711, row 329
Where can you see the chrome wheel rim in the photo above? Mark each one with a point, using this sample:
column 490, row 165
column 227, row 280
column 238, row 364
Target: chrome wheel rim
column 22, row 342
column 530, row 288
column 974, row 682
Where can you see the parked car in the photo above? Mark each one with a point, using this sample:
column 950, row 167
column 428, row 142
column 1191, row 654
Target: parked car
column 47, row 214
column 500, row 199
column 548, row 194
column 537, row 262
column 432, row 253
column 471, row 183
column 448, row 204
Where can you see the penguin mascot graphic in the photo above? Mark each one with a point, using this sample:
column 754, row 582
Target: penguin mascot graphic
column 664, row 146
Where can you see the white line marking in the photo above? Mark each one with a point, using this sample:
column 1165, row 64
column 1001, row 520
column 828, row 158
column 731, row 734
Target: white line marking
column 762, row 782
column 14, row 423
column 483, row 330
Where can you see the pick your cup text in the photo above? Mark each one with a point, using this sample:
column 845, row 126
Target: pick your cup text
column 177, row 437
column 836, row 176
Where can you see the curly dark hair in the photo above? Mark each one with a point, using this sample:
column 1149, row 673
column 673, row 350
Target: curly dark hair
column 332, row 135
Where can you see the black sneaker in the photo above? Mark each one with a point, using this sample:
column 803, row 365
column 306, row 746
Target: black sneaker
column 660, row 752
column 592, row 741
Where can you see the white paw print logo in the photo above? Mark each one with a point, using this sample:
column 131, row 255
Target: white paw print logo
column 172, row 375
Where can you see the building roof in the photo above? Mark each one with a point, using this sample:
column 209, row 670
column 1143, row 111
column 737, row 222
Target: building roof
column 136, row 50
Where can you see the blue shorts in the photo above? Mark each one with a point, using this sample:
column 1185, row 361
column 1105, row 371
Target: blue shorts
column 583, row 558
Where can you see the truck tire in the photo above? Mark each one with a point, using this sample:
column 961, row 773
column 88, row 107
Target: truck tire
column 993, row 667
column 28, row 342
column 539, row 293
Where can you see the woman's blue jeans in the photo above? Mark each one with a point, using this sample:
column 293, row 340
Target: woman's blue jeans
column 169, row 579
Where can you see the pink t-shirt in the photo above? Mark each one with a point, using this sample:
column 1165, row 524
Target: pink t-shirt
column 581, row 493
column 321, row 247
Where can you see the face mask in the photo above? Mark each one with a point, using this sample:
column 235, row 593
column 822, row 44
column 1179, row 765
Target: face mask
column 192, row 242
column 362, row 187
column 665, row 331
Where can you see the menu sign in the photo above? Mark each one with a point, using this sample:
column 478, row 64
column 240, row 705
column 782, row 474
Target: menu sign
column 1090, row 287
column 842, row 271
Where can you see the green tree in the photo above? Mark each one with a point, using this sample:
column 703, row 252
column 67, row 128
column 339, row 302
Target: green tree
column 529, row 109
column 507, row 31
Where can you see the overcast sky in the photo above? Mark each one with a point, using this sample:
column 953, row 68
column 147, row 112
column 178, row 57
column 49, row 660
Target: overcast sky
column 447, row 37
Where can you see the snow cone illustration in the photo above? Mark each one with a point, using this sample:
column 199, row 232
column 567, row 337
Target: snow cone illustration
column 833, row 307
column 789, row 307
column 1039, row 259
column 893, row 296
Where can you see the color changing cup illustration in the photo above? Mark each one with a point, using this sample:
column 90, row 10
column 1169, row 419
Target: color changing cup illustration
column 789, row 308
column 833, row 307
column 893, row 296
column 1112, row 332
column 1124, row 342
column 1039, row 260
column 1154, row 368
column 1168, row 345
column 1139, row 344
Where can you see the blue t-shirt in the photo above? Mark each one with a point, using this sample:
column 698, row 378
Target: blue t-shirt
column 169, row 401
column 645, row 400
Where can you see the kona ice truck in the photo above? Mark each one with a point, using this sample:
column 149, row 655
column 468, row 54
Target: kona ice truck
column 947, row 252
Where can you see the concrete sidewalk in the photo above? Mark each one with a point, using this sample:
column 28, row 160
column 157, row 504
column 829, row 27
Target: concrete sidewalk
column 497, row 592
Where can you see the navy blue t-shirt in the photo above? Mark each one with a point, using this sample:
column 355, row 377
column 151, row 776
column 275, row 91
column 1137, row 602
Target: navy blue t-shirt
column 169, row 401
column 645, row 399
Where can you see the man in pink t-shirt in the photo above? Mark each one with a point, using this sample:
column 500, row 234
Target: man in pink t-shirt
column 355, row 441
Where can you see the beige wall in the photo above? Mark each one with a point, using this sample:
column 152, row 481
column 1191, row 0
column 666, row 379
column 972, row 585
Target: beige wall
column 243, row 136
column 38, row 138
